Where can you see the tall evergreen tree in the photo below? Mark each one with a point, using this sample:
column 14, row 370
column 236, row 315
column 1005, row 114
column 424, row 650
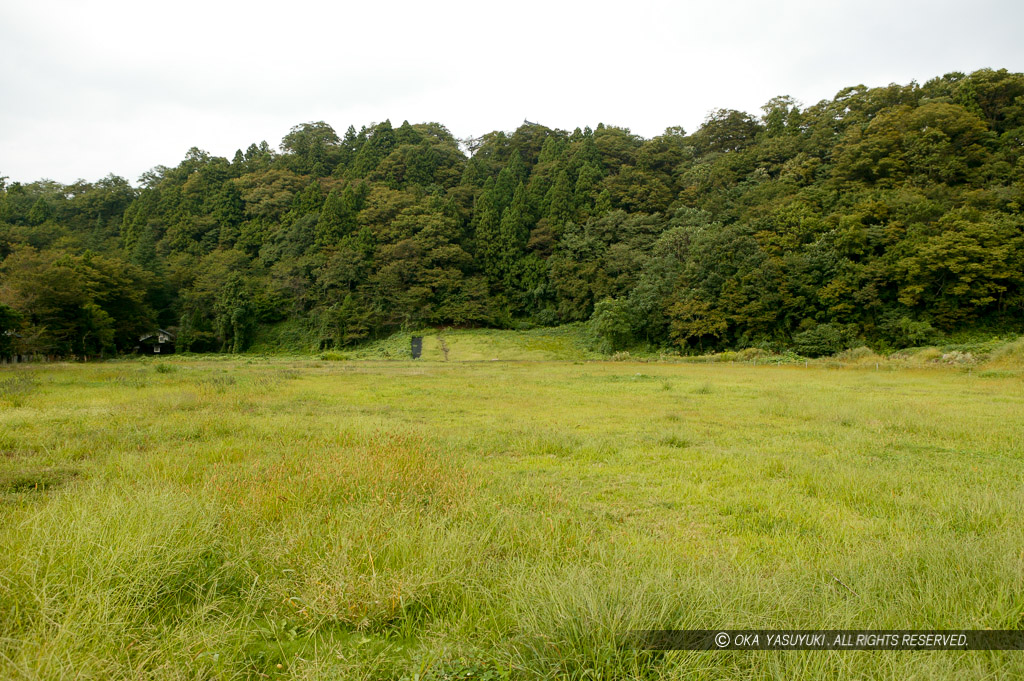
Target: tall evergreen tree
column 560, row 199
column 487, row 232
column 337, row 217
column 513, row 232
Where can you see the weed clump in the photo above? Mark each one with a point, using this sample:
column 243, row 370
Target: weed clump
column 751, row 354
column 135, row 379
column 1008, row 356
column 14, row 390
column 861, row 355
column 674, row 441
column 957, row 357
column 918, row 355
column 216, row 385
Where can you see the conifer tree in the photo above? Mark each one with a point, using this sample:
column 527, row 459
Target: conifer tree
column 588, row 184
column 487, row 231
column 504, row 189
column 337, row 217
column 559, row 199
column 379, row 142
column 514, row 231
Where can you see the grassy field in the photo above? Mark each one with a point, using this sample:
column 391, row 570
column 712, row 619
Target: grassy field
column 309, row 519
column 480, row 345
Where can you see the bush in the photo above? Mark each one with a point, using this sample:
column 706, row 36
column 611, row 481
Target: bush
column 612, row 324
column 819, row 340
column 906, row 333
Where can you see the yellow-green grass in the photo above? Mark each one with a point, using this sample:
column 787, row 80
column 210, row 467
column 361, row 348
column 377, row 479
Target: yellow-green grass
column 569, row 342
column 193, row 519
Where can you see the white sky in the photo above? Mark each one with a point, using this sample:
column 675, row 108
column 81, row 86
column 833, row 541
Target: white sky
column 91, row 87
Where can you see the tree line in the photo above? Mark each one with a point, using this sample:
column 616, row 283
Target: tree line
column 888, row 216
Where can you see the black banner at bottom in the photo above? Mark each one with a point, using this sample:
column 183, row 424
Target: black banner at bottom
column 827, row 639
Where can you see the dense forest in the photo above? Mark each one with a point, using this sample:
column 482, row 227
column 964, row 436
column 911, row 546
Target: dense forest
column 887, row 216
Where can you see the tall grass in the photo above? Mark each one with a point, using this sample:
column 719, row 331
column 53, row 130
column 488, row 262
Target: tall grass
column 308, row 520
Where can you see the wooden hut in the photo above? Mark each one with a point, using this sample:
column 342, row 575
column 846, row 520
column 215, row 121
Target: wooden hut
column 159, row 342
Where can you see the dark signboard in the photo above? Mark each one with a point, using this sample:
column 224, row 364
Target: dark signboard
column 417, row 346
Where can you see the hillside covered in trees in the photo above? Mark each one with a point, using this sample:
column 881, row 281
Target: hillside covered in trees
column 887, row 216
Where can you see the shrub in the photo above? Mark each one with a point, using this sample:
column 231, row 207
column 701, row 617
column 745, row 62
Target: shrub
column 612, row 324
column 819, row 340
column 905, row 332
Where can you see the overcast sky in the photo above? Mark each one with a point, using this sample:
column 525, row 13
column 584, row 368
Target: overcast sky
column 90, row 88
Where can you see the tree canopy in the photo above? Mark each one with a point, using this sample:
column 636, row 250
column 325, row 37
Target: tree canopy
column 883, row 215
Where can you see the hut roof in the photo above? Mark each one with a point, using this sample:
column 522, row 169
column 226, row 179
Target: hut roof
column 161, row 336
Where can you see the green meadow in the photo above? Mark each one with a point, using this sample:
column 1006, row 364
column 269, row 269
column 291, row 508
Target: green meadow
column 303, row 518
